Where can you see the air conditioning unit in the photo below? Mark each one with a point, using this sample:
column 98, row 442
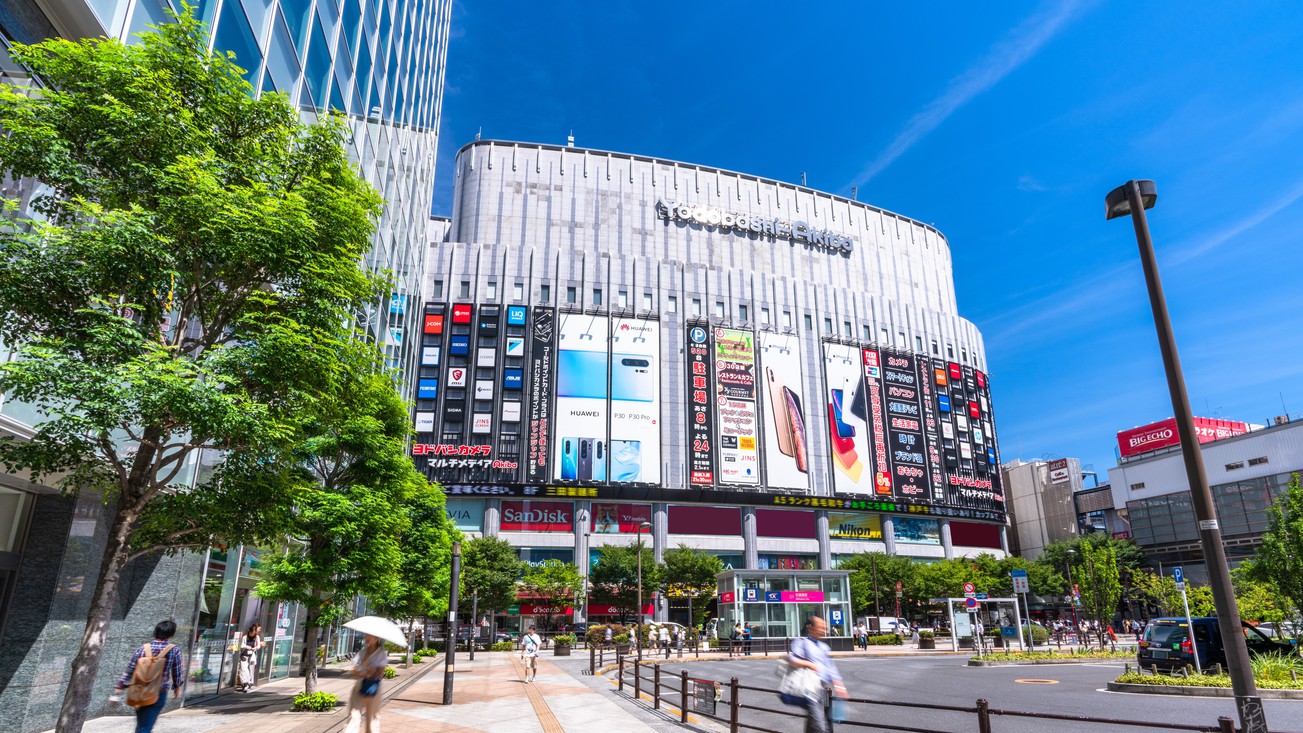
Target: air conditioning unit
column 1282, row 419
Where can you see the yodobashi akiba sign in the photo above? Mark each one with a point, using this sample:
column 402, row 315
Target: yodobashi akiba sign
column 1164, row 434
column 797, row 231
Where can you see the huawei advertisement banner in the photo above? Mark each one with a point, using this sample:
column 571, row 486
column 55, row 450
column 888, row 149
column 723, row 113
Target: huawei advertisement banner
column 583, row 358
column 906, row 445
column 845, row 406
column 635, row 455
column 735, row 401
column 542, row 366
column 787, row 457
column 619, row 518
column 701, row 415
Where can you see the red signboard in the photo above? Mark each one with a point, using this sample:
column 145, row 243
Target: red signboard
column 619, row 518
column 527, row 609
column 602, row 609
column 727, row 597
column 1163, row 434
column 461, row 312
column 538, row 516
column 433, row 323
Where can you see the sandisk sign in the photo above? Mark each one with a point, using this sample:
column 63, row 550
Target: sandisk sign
column 537, row 516
column 1164, row 434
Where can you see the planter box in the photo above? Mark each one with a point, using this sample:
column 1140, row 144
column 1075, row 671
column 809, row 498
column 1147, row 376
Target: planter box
column 560, row 651
column 927, row 642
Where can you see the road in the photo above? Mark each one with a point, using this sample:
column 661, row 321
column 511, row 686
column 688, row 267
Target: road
column 1062, row 689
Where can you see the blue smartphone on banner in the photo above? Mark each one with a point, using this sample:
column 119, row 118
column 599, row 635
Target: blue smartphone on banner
column 626, row 461
column 581, row 374
column 569, row 466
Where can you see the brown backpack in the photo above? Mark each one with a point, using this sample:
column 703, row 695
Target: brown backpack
column 148, row 677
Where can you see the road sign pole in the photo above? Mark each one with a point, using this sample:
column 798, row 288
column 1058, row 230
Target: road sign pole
column 1031, row 638
column 1179, row 576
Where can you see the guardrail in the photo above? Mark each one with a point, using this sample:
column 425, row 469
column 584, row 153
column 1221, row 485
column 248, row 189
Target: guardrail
column 723, row 702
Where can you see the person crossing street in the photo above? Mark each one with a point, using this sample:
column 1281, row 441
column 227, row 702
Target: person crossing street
column 529, row 647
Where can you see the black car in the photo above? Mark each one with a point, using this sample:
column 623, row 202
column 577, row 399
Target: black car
column 1167, row 643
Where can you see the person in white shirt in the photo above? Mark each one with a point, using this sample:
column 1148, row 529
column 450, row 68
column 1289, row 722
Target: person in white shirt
column 665, row 637
column 529, row 654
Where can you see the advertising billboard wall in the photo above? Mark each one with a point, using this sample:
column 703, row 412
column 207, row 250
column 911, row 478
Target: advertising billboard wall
column 582, row 375
column 877, row 422
column 906, row 443
column 787, row 456
column 537, row 516
column 735, row 401
column 917, row 530
column 619, row 518
column 542, row 367
column 845, row 406
column 635, row 448
column 1163, row 434
column 701, row 414
column 848, row 526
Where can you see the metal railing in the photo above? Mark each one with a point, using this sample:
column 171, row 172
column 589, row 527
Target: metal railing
column 644, row 681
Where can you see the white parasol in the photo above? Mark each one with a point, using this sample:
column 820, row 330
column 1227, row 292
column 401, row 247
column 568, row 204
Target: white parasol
column 380, row 627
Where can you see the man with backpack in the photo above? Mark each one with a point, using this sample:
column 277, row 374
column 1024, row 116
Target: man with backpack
column 529, row 654
column 155, row 669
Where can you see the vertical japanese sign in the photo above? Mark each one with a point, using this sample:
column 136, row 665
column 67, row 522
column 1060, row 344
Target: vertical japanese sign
column 701, row 418
column 906, row 444
column 873, row 379
column 931, row 429
column 735, row 401
column 540, row 378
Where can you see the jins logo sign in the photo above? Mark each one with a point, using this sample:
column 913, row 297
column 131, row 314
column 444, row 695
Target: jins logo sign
column 537, row 516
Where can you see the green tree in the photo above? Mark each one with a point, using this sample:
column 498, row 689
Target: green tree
column 880, row 599
column 190, row 263
column 1279, row 562
column 1098, row 576
column 491, row 566
column 1257, row 599
column 552, row 582
column 614, row 577
column 1159, row 591
column 350, row 526
column 1130, row 556
column 691, row 573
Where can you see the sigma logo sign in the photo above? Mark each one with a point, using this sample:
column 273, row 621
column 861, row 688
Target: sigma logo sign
column 797, row 231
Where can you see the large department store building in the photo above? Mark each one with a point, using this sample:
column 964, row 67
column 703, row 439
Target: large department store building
column 381, row 62
column 774, row 374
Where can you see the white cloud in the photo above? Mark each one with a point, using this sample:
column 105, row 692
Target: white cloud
column 1008, row 54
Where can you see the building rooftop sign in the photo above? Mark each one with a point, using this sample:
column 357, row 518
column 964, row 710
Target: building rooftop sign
column 797, row 231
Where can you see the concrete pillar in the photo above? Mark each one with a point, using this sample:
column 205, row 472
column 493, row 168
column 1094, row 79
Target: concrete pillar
column 946, row 544
column 751, row 548
column 660, row 533
column 492, row 517
column 583, row 515
column 889, row 533
column 1004, row 539
column 821, row 531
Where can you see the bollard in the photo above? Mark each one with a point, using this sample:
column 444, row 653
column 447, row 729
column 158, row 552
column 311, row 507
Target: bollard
column 732, row 705
column 656, row 688
column 621, row 675
column 637, row 679
column 983, row 716
column 1226, row 725
column 592, row 660
column 683, row 696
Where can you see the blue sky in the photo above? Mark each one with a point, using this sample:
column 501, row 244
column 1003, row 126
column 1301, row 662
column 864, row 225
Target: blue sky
column 1005, row 130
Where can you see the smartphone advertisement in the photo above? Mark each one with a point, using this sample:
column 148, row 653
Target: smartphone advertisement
column 845, row 408
column 735, row 406
column 635, row 452
column 581, row 450
column 787, row 452
column 542, row 366
column 906, row 443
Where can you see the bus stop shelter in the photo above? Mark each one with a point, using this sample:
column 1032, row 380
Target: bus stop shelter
column 987, row 611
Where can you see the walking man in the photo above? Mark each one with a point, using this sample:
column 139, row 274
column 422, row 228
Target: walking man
column 529, row 654
column 159, row 664
column 811, row 652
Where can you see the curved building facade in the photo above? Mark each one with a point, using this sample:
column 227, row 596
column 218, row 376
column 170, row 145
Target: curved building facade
column 772, row 373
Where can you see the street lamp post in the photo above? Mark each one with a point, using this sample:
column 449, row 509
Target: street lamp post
column 450, row 643
column 637, row 634
column 1132, row 198
column 1072, row 596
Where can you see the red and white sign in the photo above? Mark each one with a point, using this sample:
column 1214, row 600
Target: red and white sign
column 969, row 588
column 457, row 377
column 537, row 516
column 529, row 609
column 602, row 609
column 1164, row 434
column 727, row 597
column 1059, row 471
column 461, row 312
column 433, row 323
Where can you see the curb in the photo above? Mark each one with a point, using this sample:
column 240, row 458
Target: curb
column 1185, row 691
column 1033, row 662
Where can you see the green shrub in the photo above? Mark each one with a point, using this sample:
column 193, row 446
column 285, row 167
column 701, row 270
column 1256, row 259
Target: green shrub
column 1276, row 667
column 418, row 659
column 885, row 640
column 1071, row 654
column 390, row 673
column 596, row 635
column 621, row 639
column 393, row 648
column 1039, row 634
column 317, row 702
column 564, row 639
column 503, row 646
column 926, row 634
column 1205, row 680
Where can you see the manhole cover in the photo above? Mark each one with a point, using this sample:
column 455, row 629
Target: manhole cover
column 1038, row 682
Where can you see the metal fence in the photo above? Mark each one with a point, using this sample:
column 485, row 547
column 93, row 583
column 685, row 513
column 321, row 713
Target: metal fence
column 738, row 706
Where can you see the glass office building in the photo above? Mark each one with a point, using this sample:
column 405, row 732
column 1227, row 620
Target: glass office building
column 380, row 63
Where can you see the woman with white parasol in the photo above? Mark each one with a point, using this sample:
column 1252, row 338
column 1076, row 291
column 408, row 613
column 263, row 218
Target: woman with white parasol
column 364, row 702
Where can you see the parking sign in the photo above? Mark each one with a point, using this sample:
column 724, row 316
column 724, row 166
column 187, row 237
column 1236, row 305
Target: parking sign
column 1178, row 575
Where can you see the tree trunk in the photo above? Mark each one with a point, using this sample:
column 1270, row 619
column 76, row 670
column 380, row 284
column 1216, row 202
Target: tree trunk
column 310, row 629
column 86, row 665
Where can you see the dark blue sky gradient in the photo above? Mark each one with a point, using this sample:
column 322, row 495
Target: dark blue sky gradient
column 1003, row 125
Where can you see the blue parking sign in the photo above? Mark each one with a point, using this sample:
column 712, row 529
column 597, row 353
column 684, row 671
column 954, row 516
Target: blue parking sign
column 836, row 616
column 1178, row 575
